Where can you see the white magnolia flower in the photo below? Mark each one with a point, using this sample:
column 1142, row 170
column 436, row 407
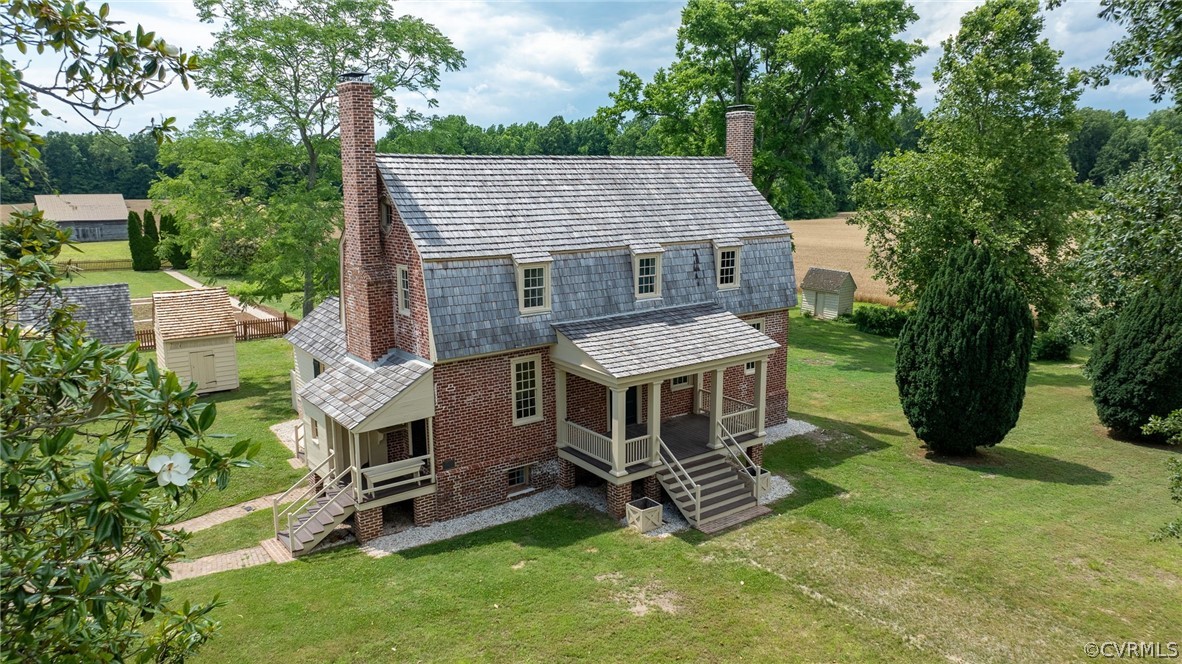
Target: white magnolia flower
column 175, row 469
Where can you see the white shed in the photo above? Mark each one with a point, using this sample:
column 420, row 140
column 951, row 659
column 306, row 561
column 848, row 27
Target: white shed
column 827, row 293
column 195, row 332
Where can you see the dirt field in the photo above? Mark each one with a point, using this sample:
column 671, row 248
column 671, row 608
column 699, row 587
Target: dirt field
column 834, row 244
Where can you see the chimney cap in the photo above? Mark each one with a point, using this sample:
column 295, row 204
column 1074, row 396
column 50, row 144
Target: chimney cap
column 354, row 77
column 740, row 108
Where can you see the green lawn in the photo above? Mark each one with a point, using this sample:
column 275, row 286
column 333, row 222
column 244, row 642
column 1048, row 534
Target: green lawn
column 233, row 535
column 294, row 308
column 113, row 250
column 143, row 284
column 262, row 399
column 1027, row 552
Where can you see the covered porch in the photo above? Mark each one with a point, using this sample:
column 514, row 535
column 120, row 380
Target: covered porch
column 665, row 375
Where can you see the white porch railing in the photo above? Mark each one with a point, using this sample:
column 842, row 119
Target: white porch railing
column 594, row 445
column 740, row 422
column 377, row 479
column 638, row 450
column 324, row 474
column 743, row 462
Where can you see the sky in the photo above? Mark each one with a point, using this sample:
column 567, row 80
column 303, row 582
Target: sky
column 534, row 60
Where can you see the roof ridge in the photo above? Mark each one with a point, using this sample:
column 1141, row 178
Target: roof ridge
column 588, row 157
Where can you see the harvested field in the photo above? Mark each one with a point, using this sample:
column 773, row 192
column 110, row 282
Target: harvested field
column 835, row 244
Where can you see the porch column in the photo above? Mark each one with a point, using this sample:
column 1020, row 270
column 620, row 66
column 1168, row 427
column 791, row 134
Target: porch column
column 715, row 409
column 355, row 466
column 560, row 405
column 699, row 383
column 654, row 423
column 619, row 433
column 760, row 396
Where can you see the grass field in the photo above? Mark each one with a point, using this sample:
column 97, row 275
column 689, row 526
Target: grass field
column 142, row 284
column 262, row 399
column 1024, row 553
column 114, row 250
column 835, row 244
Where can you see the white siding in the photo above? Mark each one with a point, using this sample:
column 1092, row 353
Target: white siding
column 808, row 302
column 846, row 297
column 176, row 355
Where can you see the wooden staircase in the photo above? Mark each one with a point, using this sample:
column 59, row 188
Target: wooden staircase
column 711, row 491
column 318, row 518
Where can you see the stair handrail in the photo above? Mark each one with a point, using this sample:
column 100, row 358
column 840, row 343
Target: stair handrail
column 742, row 458
column 676, row 467
column 276, row 512
column 294, row 530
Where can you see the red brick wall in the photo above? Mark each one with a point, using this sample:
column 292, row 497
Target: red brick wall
column 740, row 139
column 367, row 279
column 413, row 332
column 738, row 385
column 474, row 429
column 586, row 403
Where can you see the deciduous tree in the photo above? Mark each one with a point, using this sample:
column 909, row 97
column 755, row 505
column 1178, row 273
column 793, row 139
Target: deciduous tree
column 992, row 168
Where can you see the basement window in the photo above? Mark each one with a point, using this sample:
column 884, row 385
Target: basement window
column 519, row 478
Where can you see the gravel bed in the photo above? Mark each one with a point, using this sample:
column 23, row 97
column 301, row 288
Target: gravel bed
column 787, row 430
column 522, row 508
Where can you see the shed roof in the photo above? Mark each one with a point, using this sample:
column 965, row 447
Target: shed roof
column 663, row 339
column 320, row 333
column 82, row 207
column 105, row 309
column 201, row 312
column 478, row 206
column 824, row 279
column 352, row 392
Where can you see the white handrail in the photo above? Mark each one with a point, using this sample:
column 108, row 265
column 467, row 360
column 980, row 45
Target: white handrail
column 676, row 467
column 743, row 459
column 293, row 531
column 275, row 511
column 592, row 444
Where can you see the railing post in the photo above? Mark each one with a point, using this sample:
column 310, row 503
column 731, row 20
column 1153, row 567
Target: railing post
column 654, row 423
column 716, row 405
column 760, row 397
column 560, row 405
column 619, row 407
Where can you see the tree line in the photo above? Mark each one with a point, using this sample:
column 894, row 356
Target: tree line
column 88, row 163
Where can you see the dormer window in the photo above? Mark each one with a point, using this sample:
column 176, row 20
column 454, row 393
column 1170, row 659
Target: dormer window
column 646, row 271
column 533, row 282
column 727, row 263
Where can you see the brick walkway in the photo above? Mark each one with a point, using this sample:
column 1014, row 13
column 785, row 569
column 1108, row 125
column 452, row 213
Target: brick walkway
column 221, row 562
column 225, row 514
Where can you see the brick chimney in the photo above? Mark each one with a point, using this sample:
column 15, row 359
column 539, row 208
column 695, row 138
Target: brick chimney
column 740, row 136
column 367, row 282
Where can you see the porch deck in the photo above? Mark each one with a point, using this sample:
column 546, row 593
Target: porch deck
column 686, row 436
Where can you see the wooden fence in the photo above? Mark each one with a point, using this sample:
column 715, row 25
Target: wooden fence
column 116, row 264
column 249, row 330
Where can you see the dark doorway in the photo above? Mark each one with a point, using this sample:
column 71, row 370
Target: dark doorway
column 418, row 438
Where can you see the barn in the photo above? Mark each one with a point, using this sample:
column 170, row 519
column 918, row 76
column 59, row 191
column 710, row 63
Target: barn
column 827, row 293
column 92, row 217
column 195, row 331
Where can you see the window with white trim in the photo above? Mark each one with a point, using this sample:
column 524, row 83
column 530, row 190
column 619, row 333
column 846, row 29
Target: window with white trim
column 647, row 271
column 728, row 267
column 527, row 390
column 315, row 431
column 519, row 477
column 750, row 368
column 679, row 382
column 533, row 287
column 404, row 290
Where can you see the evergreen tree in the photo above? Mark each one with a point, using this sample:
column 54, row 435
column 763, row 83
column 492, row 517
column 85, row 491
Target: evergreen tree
column 964, row 353
column 1136, row 366
column 135, row 240
column 148, row 241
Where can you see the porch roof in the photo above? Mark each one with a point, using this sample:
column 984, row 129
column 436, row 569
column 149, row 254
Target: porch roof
column 659, row 340
column 351, row 392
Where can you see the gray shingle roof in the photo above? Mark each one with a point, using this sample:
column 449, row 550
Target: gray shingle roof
column 349, row 393
column 474, row 302
column 320, row 333
column 663, row 339
column 105, row 309
column 475, row 206
column 823, row 279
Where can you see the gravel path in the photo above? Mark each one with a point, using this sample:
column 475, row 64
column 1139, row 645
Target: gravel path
column 787, row 430
column 220, row 563
column 285, row 432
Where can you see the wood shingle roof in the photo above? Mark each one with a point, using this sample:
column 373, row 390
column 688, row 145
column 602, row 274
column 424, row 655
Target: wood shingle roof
column 201, row 312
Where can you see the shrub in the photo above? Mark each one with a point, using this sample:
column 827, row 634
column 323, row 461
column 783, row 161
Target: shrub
column 883, row 321
column 1169, row 427
column 172, row 249
column 1136, row 366
column 963, row 355
column 1051, row 344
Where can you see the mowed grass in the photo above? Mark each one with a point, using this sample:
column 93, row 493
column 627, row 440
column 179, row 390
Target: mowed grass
column 113, row 250
column 241, row 533
column 835, row 244
column 262, row 399
column 1024, row 553
column 142, row 284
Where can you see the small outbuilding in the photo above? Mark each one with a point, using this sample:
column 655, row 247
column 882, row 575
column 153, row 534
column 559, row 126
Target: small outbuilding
column 827, row 293
column 195, row 333
column 92, row 217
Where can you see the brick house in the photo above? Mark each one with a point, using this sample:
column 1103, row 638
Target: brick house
column 512, row 324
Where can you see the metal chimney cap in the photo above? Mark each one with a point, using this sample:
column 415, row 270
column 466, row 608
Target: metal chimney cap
column 740, row 107
column 354, row 77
